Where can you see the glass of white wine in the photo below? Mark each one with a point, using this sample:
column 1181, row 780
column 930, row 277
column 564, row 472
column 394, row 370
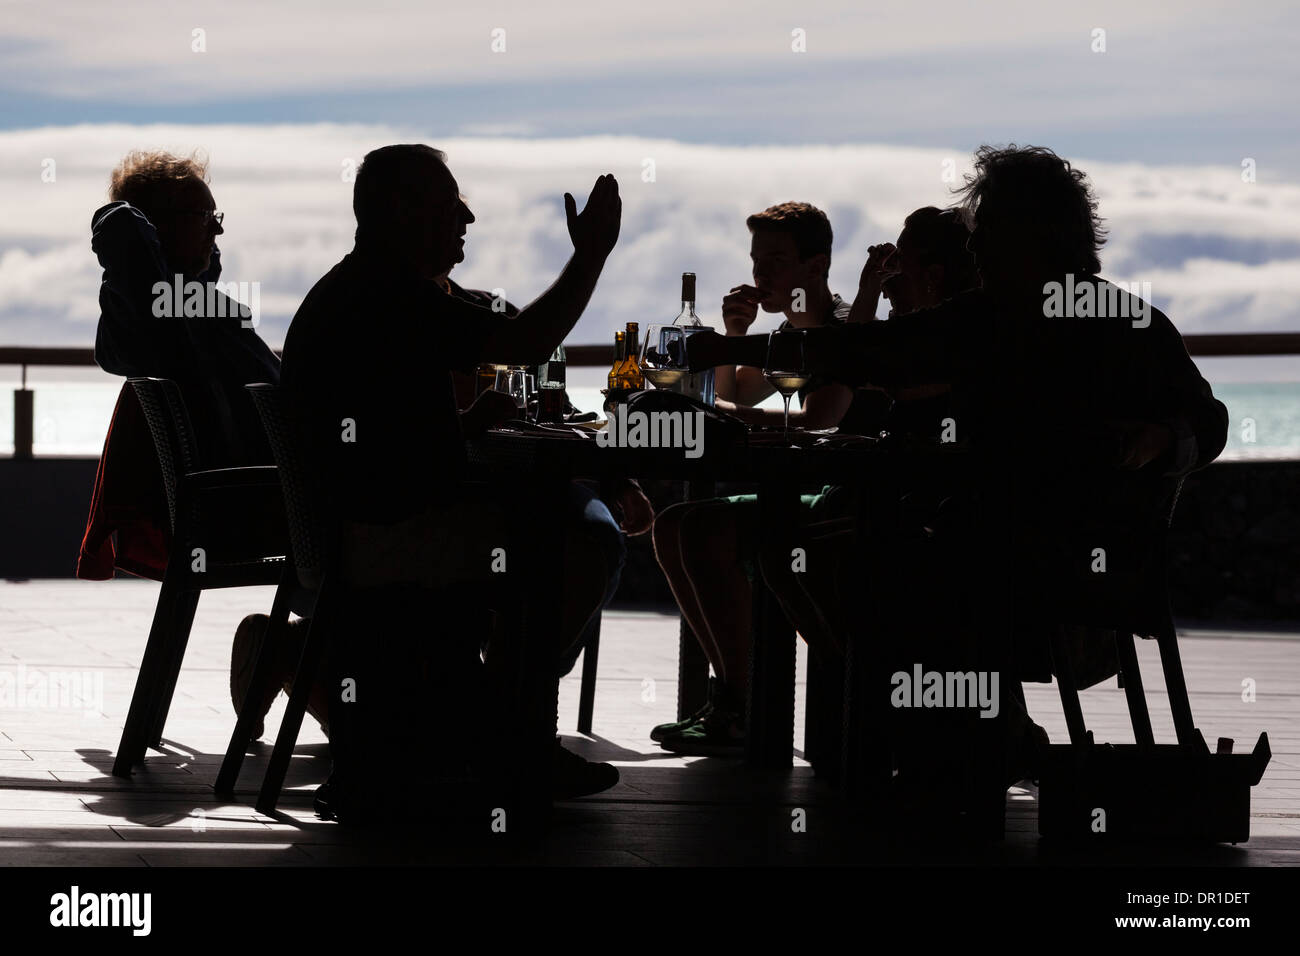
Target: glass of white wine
column 663, row 356
column 786, row 368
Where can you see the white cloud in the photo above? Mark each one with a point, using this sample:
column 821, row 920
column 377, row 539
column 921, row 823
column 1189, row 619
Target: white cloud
column 289, row 220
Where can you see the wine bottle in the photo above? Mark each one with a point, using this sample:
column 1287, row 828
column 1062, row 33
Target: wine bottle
column 698, row 385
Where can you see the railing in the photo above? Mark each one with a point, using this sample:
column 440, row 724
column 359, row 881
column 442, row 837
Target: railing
column 1216, row 344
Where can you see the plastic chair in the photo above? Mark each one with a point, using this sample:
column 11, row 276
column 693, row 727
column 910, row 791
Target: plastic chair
column 214, row 545
column 312, row 574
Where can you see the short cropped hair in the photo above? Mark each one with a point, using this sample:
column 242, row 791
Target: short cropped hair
column 147, row 180
column 388, row 174
column 940, row 237
column 1052, row 199
column 805, row 223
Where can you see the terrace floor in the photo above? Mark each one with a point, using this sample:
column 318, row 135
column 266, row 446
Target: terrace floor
column 59, row 804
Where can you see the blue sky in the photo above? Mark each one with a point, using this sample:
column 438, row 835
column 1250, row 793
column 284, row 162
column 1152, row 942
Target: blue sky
column 860, row 120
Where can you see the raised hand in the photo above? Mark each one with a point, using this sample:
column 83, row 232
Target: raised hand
column 870, row 282
column 595, row 230
column 873, row 273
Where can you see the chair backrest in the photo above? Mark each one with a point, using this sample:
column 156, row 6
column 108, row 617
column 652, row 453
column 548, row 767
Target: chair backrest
column 302, row 495
column 173, row 435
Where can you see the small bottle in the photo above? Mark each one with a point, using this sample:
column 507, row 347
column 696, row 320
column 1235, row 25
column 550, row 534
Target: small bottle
column 550, row 387
column 617, row 370
column 631, row 376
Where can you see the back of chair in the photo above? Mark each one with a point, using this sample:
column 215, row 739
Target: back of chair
column 302, row 500
column 173, row 435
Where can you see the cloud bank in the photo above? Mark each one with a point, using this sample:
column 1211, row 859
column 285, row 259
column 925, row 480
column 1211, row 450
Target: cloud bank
column 1220, row 254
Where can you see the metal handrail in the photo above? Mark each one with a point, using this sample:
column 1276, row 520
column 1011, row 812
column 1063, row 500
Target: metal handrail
column 1216, row 344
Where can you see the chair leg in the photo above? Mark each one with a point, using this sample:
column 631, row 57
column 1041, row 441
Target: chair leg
column 824, row 715
column 184, row 621
column 131, row 748
column 692, row 672
column 308, row 667
column 1069, row 691
column 263, row 678
column 1137, row 701
column 1176, row 685
column 587, row 695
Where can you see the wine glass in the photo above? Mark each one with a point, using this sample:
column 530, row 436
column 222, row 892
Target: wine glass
column 513, row 381
column 663, row 355
column 786, row 368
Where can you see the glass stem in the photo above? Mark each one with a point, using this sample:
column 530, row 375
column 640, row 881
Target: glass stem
column 787, row 416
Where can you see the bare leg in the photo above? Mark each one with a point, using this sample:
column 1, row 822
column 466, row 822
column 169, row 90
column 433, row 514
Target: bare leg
column 714, row 565
column 803, row 594
column 668, row 552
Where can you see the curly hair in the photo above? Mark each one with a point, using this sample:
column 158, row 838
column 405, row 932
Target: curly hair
column 1043, row 193
column 147, row 179
column 805, row 223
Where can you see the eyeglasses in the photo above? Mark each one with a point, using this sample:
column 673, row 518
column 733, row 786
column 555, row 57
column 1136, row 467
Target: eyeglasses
column 207, row 214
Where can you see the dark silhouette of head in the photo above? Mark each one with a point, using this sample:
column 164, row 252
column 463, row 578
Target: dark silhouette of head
column 173, row 194
column 930, row 261
column 1033, row 218
column 791, row 249
column 409, row 207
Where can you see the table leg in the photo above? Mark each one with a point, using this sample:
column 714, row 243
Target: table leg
column 770, row 711
column 867, row 754
column 534, row 643
column 692, row 663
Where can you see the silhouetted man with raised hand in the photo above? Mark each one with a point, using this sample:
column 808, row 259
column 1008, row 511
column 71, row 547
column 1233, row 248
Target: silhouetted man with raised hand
column 368, row 361
column 1079, row 398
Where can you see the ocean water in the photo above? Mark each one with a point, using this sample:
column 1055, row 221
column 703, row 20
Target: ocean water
column 73, row 409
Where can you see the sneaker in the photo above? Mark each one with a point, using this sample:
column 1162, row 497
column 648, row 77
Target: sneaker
column 576, row 776
column 716, row 691
column 243, row 658
column 720, row 734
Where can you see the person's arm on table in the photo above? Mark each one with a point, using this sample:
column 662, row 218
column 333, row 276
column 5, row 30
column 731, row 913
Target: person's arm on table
column 823, row 409
column 489, row 409
column 931, row 346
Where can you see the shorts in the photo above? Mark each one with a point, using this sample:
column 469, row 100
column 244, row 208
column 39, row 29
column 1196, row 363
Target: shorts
column 831, row 502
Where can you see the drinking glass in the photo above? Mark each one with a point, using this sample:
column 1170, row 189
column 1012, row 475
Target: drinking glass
column 663, row 355
column 786, row 368
column 485, row 377
column 513, row 381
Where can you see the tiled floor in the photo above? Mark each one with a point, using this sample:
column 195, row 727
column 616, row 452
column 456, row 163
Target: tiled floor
column 60, row 805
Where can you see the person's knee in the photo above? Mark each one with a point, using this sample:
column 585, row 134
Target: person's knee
column 665, row 534
column 704, row 537
column 777, row 568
